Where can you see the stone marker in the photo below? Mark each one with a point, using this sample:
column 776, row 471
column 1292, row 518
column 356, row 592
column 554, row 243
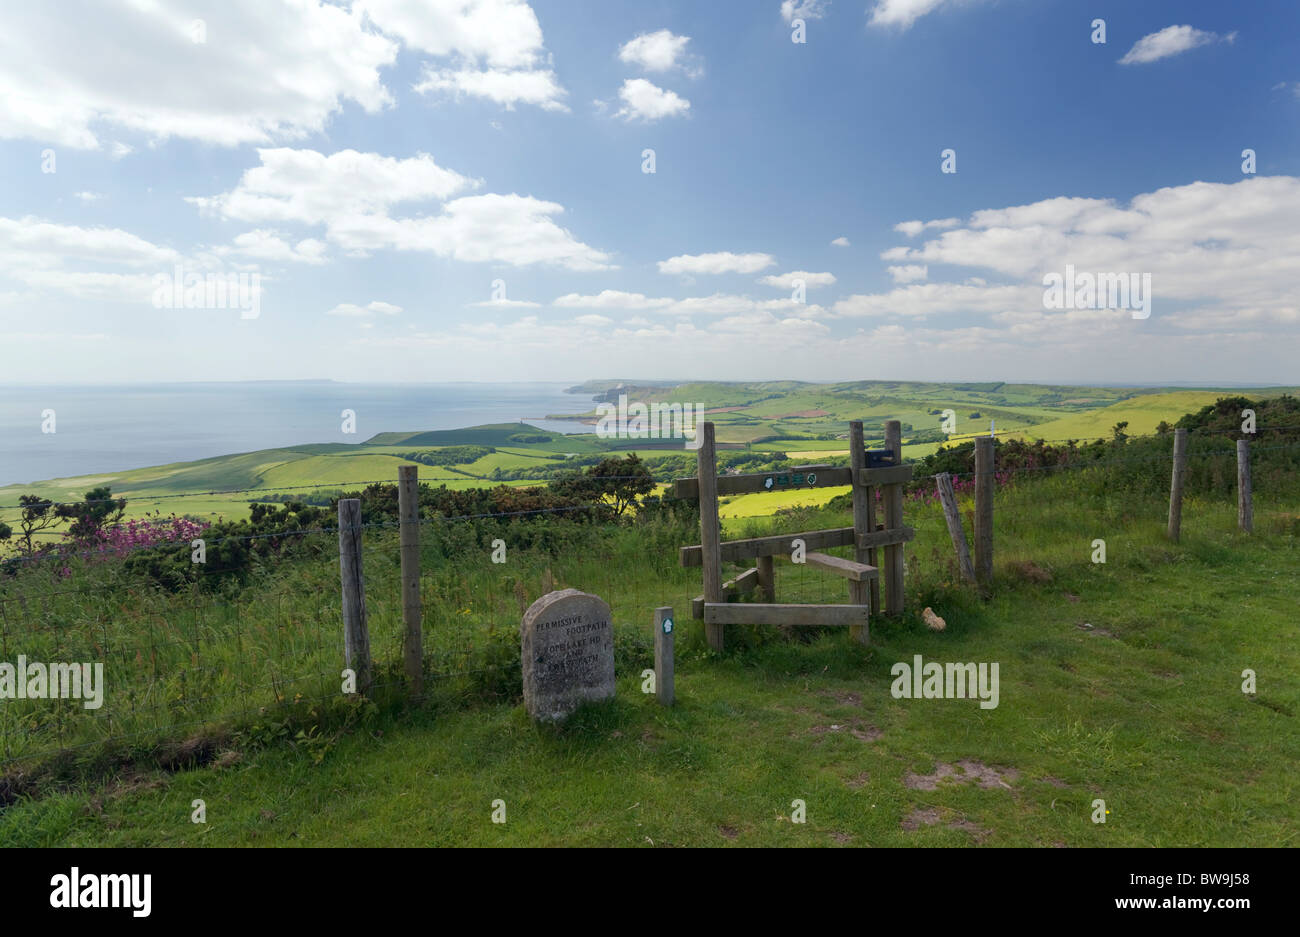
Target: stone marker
column 567, row 653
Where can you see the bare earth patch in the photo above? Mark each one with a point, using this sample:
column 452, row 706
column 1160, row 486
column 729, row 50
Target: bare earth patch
column 861, row 731
column 858, row 781
column 843, row 697
column 930, row 816
column 730, row 832
column 978, row 772
column 1093, row 629
column 841, row 837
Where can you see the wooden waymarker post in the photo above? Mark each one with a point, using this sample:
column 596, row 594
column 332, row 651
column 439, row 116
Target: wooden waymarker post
column 1176, row 485
column 1245, row 505
column 710, row 531
column 984, row 484
column 948, row 498
column 893, row 498
column 408, row 502
column 664, row 628
column 356, row 632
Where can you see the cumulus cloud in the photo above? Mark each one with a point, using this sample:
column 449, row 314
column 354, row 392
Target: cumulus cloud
column 268, row 71
column 1222, row 257
column 645, row 101
column 720, row 262
column 792, row 10
column 496, row 48
column 787, row 280
column 352, row 195
column 902, row 13
column 840, row 242
column 610, row 299
column 264, row 244
column 1170, row 41
column 909, row 273
column 659, row 51
column 913, row 228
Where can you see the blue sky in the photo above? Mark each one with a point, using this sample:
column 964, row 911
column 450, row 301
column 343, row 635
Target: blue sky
column 381, row 164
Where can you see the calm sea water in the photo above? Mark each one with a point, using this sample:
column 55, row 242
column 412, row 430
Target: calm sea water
column 118, row 427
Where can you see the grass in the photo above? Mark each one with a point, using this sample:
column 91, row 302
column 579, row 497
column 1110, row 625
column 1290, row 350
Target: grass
column 1143, row 708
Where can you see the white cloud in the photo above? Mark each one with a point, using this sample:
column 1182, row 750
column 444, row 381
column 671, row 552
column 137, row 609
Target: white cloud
column 787, row 280
column 902, row 13
column 31, row 242
column 352, row 195
column 659, row 51
column 646, row 101
column 506, row 304
column 351, row 310
column 913, row 228
column 88, row 196
column 1169, row 41
column 496, row 46
column 720, row 262
column 270, row 245
column 593, row 319
column 268, row 71
column 610, row 299
column 909, row 273
column 504, row 87
column 792, row 10
column 312, row 188
column 840, row 242
column 1222, row 256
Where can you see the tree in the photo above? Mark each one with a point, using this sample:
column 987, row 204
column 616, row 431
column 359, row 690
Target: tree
column 618, row 482
column 37, row 515
column 91, row 516
column 1117, row 432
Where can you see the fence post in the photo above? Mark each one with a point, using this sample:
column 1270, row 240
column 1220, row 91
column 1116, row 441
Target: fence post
column 858, row 591
column 893, row 497
column 1245, row 505
column 710, row 533
column 356, row 633
column 948, row 498
column 408, row 503
column 767, row 577
column 984, row 486
column 1176, row 485
column 664, row 626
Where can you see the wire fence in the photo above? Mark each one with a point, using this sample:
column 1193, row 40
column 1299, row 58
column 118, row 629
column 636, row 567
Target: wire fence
column 258, row 645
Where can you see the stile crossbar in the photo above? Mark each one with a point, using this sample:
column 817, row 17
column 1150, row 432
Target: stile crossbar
column 867, row 472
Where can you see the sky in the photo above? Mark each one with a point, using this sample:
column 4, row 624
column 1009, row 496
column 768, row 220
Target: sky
column 461, row 190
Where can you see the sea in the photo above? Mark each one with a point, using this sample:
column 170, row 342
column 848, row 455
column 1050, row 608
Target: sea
column 112, row 428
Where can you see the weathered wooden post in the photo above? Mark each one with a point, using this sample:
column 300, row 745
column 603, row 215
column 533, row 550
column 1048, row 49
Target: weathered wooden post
column 1176, row 485
column 767, row 577
column 408, row 503
column 893, row 498
column 356, row 632
column 1245, row 505
column 664, row 627
column 710, row 532
column 948, row 498
column 863, row 523
column 984, row 487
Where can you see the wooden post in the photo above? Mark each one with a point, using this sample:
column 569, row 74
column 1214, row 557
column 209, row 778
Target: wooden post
column 1245, row 506
column 948, row 498
column 893, row 498
column 710, row 532
column 1176, row 485
column 984, row 483
column 863, row 523
column 408, row 503
column 664, row 626
column 356, row 633
column 767, row 577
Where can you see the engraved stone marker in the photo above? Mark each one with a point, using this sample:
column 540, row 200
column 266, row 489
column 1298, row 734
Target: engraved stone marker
column 567, row 653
